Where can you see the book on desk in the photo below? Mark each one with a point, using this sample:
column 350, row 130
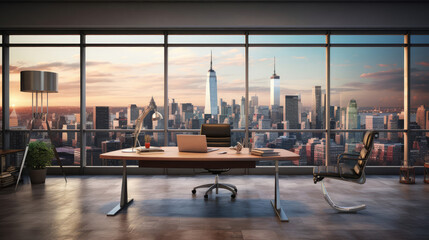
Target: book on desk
column 264, row 152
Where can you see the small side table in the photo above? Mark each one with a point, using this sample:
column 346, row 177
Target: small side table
column 426, row 173
column 407, row 175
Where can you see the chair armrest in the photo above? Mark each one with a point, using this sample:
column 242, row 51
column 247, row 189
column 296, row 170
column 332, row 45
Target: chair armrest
column 347, row 156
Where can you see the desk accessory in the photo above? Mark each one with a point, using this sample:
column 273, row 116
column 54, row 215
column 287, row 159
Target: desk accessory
column 139, row 122
column 238, row 147
column 150, row 149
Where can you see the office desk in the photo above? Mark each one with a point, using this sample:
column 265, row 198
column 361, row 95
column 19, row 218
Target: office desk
column 172, row 158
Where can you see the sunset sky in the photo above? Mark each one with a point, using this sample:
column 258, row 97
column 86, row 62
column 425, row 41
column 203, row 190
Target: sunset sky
column 118, row 76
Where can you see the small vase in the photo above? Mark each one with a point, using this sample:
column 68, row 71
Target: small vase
column 147, row 145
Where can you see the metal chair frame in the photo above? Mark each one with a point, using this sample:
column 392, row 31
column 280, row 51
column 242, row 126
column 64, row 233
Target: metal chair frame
column 360, row 180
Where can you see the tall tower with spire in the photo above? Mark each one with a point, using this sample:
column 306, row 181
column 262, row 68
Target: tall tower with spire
column 211, row 90
column 275, row 88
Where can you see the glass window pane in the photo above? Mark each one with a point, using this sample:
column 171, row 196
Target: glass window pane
column 122, row 83
column 285, row 39
column 203, row 93
column 64, row 106
column 44, row 39
column 367, row 90
column 419, row 118
column 288, row 95
column 420, row 39
column 130, row 39
column 206, row 39
column 370, row 39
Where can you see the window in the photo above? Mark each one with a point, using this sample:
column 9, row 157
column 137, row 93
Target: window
column 286, row 93
column 206, row 85
column 121, row 83
column 64, row 110
column 367, row 93
column 206, row 39
column 419, row 116
column 367, row 39
column 125, row 39
column 286, row 39
column 44, row 39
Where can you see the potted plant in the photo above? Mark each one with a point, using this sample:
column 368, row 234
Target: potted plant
column 39, row 157
column 147, row 139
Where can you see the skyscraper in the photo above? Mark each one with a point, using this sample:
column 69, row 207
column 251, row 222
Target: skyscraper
column 211, row 91
column 174, row 107
column 352, row 122
column 421, row 117
column 275, row 88
column 242, row 113
column 374, row 122
column 392, row 123
column 100, row 121
column 316, row 108
column 291, row 111
column 132, row 113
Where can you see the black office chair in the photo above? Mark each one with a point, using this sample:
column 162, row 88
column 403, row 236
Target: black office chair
column 350, row 167
column 217, row 135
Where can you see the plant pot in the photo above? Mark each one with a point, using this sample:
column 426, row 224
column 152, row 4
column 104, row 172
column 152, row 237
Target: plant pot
column 37, row 176
column 147, row 145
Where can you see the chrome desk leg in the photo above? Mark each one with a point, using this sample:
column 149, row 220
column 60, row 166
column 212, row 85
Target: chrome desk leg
column 124, row 193
column 276, row 203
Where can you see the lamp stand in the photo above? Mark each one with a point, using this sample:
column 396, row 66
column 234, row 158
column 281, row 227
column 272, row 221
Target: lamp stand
column 36, row 116
column 139, row 123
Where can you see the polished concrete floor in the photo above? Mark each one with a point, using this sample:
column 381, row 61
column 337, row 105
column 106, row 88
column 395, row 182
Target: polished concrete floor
column 164, row 208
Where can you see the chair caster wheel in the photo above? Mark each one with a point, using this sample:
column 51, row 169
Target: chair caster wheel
column 206, row 196
column 194, row 191
column 232, row 196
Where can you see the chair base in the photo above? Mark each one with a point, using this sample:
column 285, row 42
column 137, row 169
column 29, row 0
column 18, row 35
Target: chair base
column 328, row 199
column 217, row 185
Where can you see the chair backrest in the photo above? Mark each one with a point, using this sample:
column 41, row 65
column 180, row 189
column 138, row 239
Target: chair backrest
column 368, row 143
column 217, row 135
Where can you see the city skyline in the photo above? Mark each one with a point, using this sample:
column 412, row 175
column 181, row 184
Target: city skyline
column 299, row 68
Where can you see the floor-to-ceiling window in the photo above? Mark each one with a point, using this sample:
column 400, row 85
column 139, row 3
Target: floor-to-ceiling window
column 52, row 53
column 124, row 76
column 367, row 93
column 419, row 111
column 286, row 97
column 206, row 84
column 286, row 92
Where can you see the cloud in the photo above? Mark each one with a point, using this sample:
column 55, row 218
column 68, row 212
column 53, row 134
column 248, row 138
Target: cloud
column 387, row 65
column 367, row 66
column 52, row 66
column 264, row 59
column 383, row 65
column 426, row 64
column 299, row 57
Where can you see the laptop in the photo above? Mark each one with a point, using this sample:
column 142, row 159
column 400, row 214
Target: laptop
column 193, row 143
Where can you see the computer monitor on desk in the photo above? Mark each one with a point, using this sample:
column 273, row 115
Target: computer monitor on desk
column 193, row 143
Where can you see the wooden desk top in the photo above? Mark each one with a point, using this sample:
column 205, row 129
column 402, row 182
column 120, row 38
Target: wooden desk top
column 9, row 151
column 173, row 154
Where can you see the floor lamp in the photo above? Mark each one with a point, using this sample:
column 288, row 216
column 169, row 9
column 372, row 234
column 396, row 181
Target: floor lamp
column 39, row 82
column 139, row 122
